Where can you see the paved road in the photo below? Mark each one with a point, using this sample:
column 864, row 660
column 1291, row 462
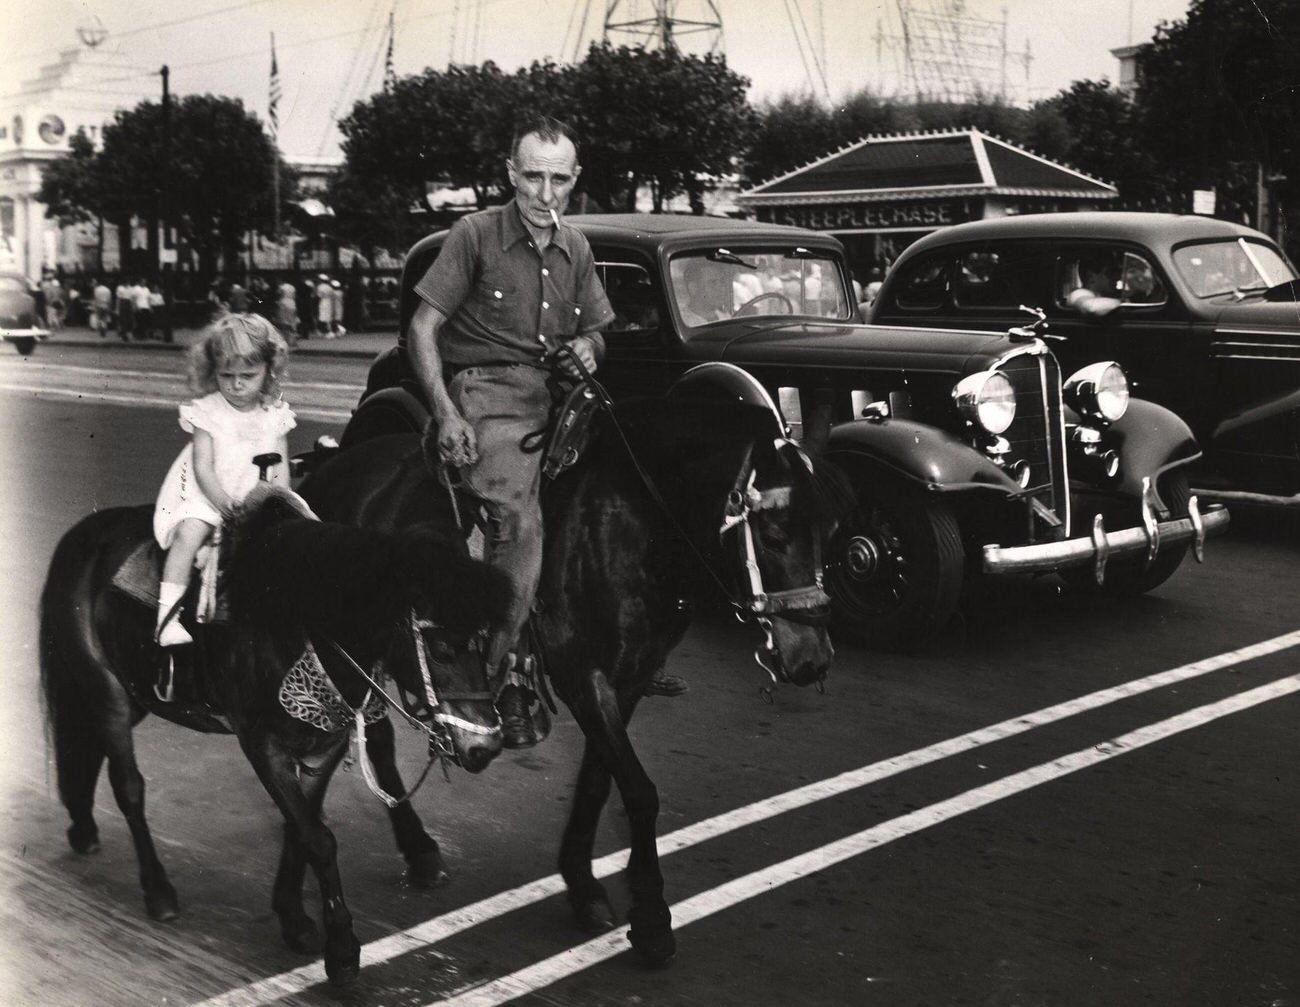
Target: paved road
column 1061, row 802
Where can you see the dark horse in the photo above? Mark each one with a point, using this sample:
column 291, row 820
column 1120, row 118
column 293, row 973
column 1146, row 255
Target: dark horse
column 710, row 494
column 349, row 591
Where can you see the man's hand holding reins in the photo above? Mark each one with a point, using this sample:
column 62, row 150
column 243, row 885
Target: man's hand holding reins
column 457, row 446
column 585, row 350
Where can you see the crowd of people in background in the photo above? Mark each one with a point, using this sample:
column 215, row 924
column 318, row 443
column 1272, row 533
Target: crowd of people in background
column 301, row 305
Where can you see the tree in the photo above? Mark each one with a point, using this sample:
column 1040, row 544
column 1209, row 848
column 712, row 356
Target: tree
column 449, row 125
column 1218, row 100
column 72, row 192
column 1095, row 128
column 218, row 184
column 790, row 131
column 661, row 116
column 70, row 186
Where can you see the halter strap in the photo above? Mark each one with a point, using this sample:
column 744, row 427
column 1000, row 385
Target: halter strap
column 795, row 604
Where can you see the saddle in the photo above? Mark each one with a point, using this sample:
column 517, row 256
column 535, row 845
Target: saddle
column 570, row 429
column 572, row 418
column 140, row 574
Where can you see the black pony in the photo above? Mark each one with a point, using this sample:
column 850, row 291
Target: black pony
column 678, row 496
column 297, row 587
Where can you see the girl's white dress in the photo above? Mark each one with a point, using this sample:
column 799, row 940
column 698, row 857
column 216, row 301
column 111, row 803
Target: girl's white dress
column 236, row 438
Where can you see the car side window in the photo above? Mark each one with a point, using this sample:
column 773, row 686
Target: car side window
column 998, row 277
column 923, row 285
column 632, row 295
column 1124, row 276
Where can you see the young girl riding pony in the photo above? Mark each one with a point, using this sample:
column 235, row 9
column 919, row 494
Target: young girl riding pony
column 238, row 364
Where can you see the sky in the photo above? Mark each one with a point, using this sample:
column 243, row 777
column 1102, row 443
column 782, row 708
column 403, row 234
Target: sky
column 331, row 52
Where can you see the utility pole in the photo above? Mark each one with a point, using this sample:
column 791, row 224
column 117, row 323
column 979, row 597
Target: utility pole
column 164, row 202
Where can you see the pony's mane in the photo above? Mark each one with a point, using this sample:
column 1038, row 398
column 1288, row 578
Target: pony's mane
column 681, row 438
column 287, row 568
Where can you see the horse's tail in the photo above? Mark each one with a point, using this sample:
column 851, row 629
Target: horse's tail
column 73, row 667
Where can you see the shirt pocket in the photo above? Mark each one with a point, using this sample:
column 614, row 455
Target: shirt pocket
column 497, row 300
column 569, row 319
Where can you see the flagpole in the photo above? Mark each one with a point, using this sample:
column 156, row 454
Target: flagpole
column 275, row 139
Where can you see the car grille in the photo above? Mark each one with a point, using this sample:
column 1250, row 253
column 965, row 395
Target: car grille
column 1037, row 437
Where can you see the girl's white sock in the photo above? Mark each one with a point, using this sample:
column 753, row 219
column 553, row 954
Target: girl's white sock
column 173, row 634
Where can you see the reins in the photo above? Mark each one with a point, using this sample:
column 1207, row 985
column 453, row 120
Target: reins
column 805, row 604
column 440, row 746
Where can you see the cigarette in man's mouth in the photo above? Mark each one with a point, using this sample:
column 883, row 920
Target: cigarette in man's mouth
column 555, row 217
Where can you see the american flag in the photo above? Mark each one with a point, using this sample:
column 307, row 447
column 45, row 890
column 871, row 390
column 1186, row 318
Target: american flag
column 390, row 76
column 273, row 102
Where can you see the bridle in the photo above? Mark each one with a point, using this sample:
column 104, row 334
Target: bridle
column 808, row 605
column 425, row 713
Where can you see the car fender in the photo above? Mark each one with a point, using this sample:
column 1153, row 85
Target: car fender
column 925, row 456
column 387, row 411
column 728, row 379
column 1150, row 440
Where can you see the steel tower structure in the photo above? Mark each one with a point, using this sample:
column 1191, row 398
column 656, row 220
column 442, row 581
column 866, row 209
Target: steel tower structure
column 948, row 54
column 665, row 24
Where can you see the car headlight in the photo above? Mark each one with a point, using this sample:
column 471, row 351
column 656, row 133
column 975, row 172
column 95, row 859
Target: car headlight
column 986, row 400
column 1098, row 392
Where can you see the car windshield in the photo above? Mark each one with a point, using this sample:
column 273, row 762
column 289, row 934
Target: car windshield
column 12, row 285
column 1225, row 267
column 712, row 285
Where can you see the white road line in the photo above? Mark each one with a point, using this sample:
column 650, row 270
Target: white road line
column 179, row 376
column 573, row 960
column 157, row 402
column 440, row 927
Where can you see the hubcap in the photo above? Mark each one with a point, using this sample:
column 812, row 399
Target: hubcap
column 862, row 557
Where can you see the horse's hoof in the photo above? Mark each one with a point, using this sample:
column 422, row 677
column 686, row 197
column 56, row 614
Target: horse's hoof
column 427, row 870
column 657, row 949
column 651, row 934
column 342, row 975
column 162, row 905
column 83, row 840
column 594, row 916
column 302, row 936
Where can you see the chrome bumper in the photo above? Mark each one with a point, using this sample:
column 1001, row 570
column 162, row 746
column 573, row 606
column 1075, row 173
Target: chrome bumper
column 1102, row 546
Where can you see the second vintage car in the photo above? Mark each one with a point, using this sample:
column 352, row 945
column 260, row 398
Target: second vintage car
column 1202, row 314
column 18, row 313
column 969, row 452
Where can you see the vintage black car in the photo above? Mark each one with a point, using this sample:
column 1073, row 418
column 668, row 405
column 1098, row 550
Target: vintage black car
column 18, row 323
column 1202, row 315
column 968, row 451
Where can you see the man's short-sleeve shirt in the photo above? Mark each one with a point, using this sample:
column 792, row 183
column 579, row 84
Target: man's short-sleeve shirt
column 505, row 300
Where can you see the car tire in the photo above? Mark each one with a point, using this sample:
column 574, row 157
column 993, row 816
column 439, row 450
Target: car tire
column 1132, row 577
column 895, row 567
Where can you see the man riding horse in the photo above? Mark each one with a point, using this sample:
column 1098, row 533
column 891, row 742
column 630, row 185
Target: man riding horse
column 512, row 284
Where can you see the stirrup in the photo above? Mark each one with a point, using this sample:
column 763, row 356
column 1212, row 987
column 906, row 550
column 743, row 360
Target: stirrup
column 168, row 693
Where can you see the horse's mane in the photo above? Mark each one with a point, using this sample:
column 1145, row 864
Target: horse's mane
column 287, row 568
column 693, row 445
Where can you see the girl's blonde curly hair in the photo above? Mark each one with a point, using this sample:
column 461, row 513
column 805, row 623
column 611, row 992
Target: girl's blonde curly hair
column 239, row 338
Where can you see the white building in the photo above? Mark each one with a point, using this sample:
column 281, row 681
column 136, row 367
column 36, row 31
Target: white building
column 82, row 89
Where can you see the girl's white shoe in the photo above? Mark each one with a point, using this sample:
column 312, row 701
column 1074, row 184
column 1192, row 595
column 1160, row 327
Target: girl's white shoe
column 174, row 635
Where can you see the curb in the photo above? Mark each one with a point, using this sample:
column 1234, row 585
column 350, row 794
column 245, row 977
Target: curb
column 314, row 348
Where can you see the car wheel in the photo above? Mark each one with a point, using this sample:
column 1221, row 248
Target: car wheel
column 1133, row 577
column 24, row 344
column 895, row 567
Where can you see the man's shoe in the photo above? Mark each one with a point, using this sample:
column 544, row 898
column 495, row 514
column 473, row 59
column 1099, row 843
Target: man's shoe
column 517, row 728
